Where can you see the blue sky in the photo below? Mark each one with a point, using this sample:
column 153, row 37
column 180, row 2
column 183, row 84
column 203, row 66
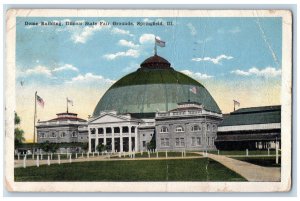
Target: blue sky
column 206, row 48
column 234, row 58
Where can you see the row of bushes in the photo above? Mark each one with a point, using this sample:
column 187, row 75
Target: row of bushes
column 53, row 147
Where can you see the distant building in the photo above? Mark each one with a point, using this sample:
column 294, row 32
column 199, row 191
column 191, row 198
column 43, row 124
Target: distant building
column 250, row 128
column 188, row 127
column 65, row 128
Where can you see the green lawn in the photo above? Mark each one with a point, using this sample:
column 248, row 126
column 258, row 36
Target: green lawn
column 267, row 161
column 138, row 170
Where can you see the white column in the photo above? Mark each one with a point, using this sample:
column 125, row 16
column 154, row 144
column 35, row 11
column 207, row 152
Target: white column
column 136, row 139
column 37, row 161
column 276, row 150
column 130, row 143
column 112, row 140
column 121, row 140
column 104, row 134
column 90, row 140
column 96, row 140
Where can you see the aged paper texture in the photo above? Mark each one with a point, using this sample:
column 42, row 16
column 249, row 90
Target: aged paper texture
column 148, row 100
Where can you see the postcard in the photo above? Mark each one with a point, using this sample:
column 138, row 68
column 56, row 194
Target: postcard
column 148, row 100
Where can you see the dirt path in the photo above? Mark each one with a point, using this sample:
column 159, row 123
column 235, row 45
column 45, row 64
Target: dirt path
column 249, row 171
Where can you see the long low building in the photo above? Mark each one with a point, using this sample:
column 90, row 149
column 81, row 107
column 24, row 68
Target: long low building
column 250, row 128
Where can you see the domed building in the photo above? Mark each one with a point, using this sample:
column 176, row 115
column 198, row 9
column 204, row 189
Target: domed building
column 152, row 105
column 154, row 87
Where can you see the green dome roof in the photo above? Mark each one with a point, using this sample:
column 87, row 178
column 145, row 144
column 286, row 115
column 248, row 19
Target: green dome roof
column 153, row 87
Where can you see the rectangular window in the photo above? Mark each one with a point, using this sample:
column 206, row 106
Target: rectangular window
column 165, row 142
column 177, row 142
column 198, row 141
column 182, row 143
column 144, row 144
column 208, row 141
column 193, row 141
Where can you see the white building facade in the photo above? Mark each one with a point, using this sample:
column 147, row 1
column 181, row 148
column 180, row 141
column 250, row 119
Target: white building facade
column 189, row 127
column 118, row 132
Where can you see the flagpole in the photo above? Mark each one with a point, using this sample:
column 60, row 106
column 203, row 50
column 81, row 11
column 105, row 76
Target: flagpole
column 233, row 106
column 34, row 117
column 155, row 47
column 67, row 106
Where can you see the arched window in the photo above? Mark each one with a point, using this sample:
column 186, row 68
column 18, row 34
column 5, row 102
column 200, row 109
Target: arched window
column 164, row 129
column 179, row 129
column 63, row 134
column 214, row 127
column 207, row 127
column 196, row 128
column 53, row 135
column 74, row 134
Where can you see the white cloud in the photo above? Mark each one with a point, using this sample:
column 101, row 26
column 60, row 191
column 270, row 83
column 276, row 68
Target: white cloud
column 127, row 44
column 46, row 71
column 121, row 31
column 89, row 78
column 66, row 67
column 128, row 53
column 42, row 70
column 192, row 29
column 82, row 34
column 266, row 72
column 197, row 75
column 148, row 38
column 215, row 60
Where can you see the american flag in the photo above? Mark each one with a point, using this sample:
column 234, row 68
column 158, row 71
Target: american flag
column 40, row 101
column 193, row 90
column 70, row 101
column 160, row 43
column 235, row 102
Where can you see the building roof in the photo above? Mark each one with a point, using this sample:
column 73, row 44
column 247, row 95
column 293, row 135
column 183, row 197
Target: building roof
column 66, row 116
column 253, row 115
column 151, row 89
column 155, row 62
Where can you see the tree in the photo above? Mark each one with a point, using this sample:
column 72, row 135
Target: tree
column 49, row 147
column 152, row 144
column 85, row 146
column 19, row 133
column 101, row 147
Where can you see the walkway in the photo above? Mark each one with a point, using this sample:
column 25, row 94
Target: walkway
column 249, row 171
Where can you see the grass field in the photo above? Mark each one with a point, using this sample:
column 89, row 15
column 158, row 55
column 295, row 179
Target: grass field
column 267, row 161
column 137, row 170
